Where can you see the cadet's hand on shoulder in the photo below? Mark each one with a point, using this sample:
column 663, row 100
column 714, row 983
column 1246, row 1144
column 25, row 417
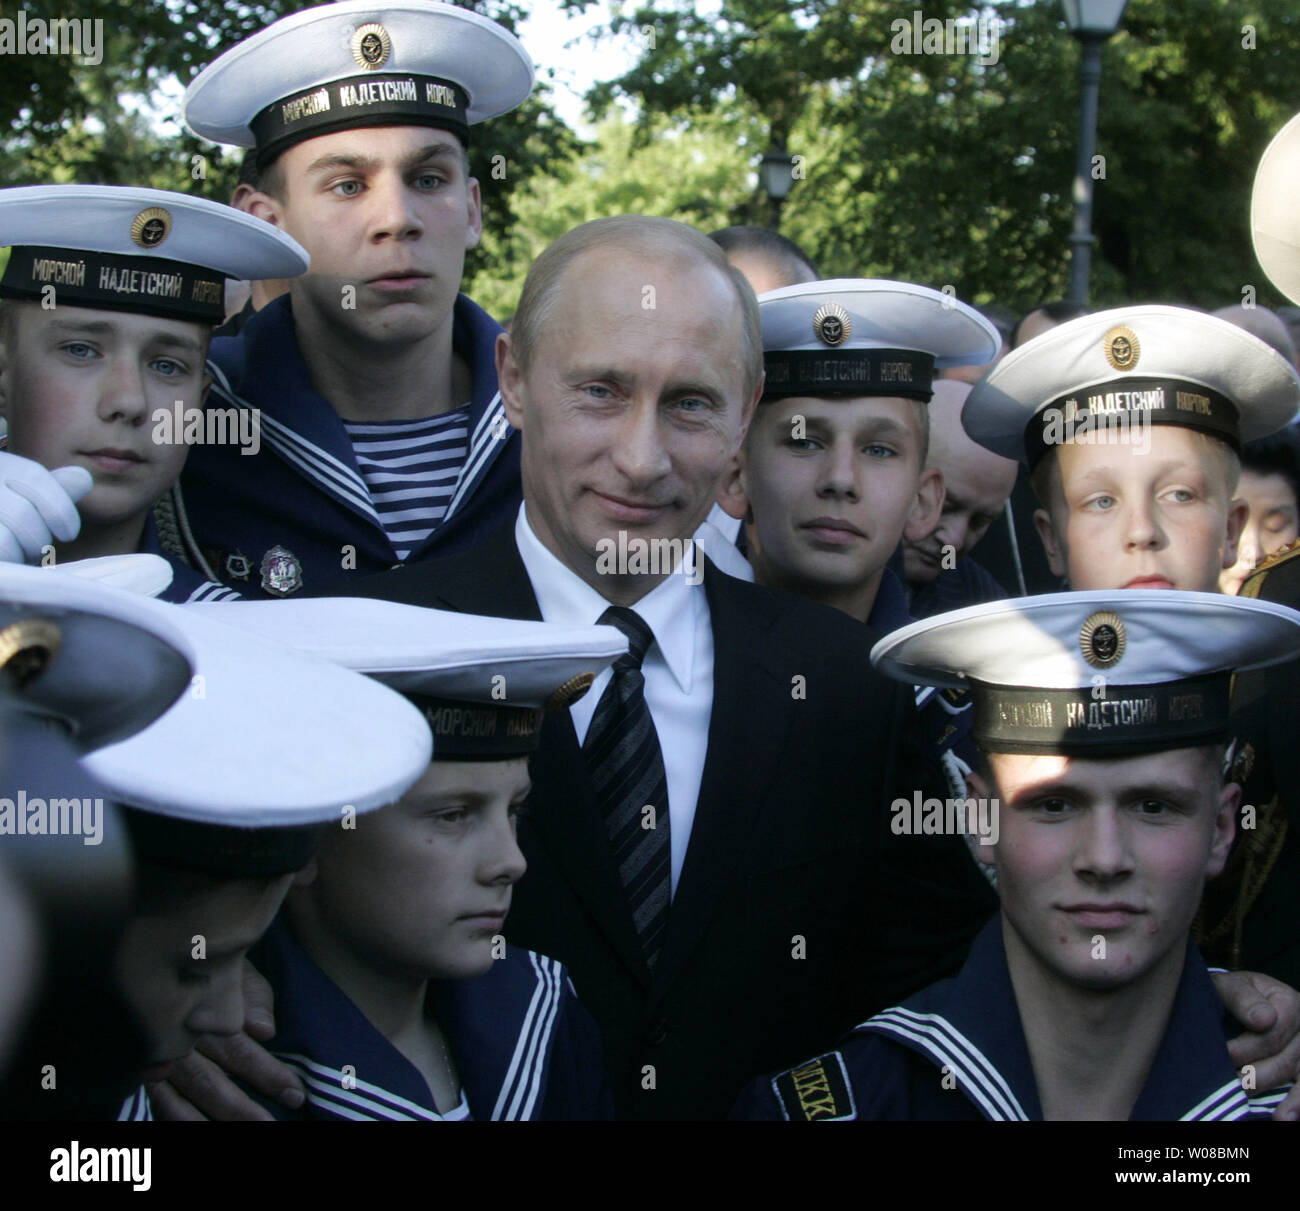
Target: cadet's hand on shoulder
column 200, row 1086
column 37, row 507
column 1270, row 1011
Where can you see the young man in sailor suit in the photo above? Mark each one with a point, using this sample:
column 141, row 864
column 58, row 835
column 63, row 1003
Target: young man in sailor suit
column 395, row 993
column 384, row 436
column 833, row 476
column 1103, row 717
column 110, row 297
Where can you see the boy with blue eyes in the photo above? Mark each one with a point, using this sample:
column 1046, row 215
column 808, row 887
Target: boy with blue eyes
column 110, row 296
column 831, row 478
column 1131, row 422
column 833, row 473
column 1084, row 998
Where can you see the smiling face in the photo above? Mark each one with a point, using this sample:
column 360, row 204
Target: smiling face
column 178, row 997
column 81, row 387
column 421, row 888
column 832, row 486
column 1272, row 522
column 632, row 404
column 1116, row 849
column 387, row 211
column 1119, row 517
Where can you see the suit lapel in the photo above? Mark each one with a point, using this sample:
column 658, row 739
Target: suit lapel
column 737, row 767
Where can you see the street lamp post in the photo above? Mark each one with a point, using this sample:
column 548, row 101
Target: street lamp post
column 775, row 171
column 1093, row 23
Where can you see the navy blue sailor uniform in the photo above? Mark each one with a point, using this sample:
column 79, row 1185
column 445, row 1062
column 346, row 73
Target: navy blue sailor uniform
column 187, row 585
column 956, row 1052
column 298, row 513
column 524, row 1046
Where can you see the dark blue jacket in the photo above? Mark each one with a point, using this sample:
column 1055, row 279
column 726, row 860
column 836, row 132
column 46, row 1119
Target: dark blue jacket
column 302, row 491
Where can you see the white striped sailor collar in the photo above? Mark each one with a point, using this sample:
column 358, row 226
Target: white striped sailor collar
column 137, row 1108
column 499, row 1028
column 669, row 610
column 966, row 1024
column 187, row 585
column 263, row 368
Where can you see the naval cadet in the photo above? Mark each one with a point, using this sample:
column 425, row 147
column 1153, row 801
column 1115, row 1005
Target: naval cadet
column 396, row 995
column 110, row 297
column 384, row 438
column 1131, row 422
column 1084, row 998
column 832, row 477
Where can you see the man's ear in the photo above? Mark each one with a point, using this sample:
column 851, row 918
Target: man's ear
column 927, row 507
column 1238, row 512
column 1225, row 828
column 510, row 380
column 261, row 206
column 977, row 788
column 203, row 391
column 1052, row 545
column 731, row 497
column 474, row 232
column 243, row 194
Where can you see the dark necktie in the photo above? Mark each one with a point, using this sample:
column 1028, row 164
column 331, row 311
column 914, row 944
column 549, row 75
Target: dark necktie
column 627, row 771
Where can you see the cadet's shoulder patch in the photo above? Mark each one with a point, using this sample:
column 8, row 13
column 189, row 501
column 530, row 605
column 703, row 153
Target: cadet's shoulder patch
column 815, row 1091
column 1255, row 581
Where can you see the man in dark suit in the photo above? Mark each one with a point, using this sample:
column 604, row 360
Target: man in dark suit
column 777, row 738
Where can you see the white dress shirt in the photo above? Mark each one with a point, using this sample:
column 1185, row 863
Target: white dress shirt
column 678, row 669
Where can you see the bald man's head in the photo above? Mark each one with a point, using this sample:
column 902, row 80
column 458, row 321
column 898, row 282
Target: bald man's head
column 767, row 259
column 977, row 483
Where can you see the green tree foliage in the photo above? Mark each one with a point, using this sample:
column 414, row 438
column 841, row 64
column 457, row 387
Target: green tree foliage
column 947, row 170
column 66, row 120
column 698, row 173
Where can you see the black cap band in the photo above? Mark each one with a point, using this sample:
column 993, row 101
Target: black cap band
column 147, row 285
column 216, row 849
column 386, row 99
column 1124, row 720
column 478, row 731
column 1103, row 415
column 901, row 372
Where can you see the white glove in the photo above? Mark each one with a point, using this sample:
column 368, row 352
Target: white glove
column 38, row 507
